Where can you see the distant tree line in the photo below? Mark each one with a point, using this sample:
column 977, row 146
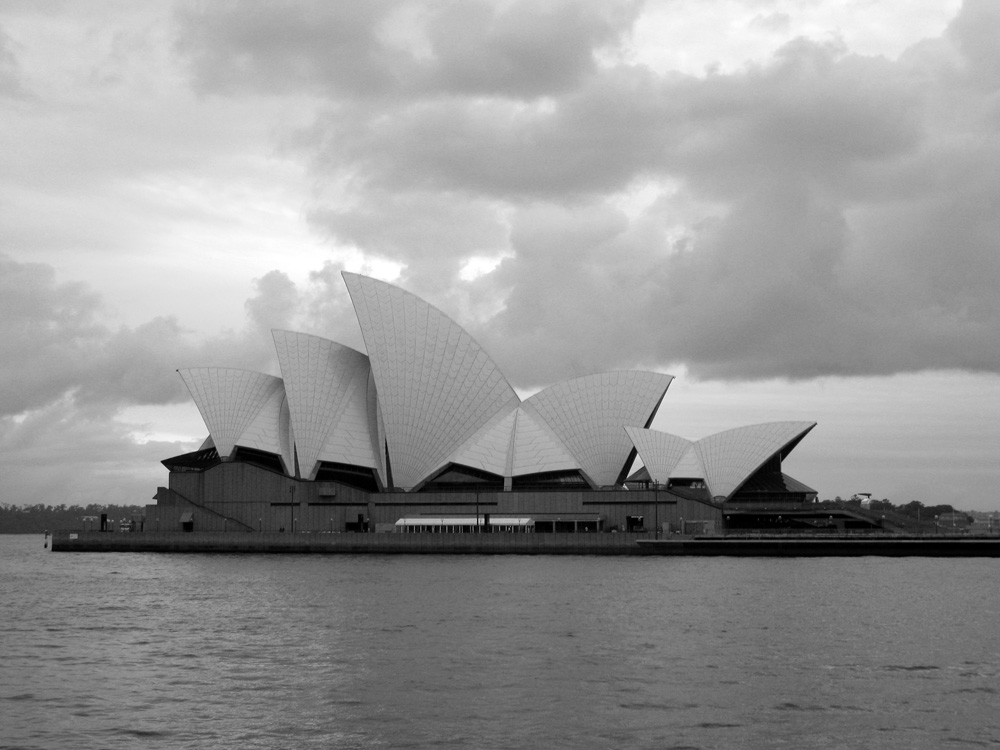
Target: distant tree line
column 914, row 509
column 35, row 519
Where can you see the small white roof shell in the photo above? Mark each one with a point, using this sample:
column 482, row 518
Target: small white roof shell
column 724, row 460
column 660, row 452
column 230, row 400
column 732, row 457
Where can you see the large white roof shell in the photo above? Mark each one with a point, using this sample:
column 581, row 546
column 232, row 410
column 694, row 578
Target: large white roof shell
column 231, row 401
column 732, row 457
column 436, row 385
column 327, row 388
column 587, row 414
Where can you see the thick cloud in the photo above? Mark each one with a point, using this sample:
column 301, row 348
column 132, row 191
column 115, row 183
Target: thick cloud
column 820, row 213
column 411, row 50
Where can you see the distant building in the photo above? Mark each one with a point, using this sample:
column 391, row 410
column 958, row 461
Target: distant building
column 865, row 498
column 425, row 424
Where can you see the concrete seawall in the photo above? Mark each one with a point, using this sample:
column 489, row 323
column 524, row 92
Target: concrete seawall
column 348, row 543
column 524, row 544
column 847, row 546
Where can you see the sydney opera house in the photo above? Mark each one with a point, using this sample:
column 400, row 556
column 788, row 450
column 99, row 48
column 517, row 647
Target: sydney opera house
column 423, row 432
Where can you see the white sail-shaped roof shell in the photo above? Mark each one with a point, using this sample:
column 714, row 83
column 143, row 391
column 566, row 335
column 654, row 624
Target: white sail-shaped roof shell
column 661, row 452
column 271, row 431
column 436, row 386
column 733, row 456
column 489, row 448
column 237, row 406
column 587, row 415
column 327, row 388
column 376, row 428
column 725, row 460
column 689, row 466
column 515, row 444
column 537, row 449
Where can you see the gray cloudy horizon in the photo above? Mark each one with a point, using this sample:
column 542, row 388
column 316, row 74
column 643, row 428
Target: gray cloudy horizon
column 807, row 203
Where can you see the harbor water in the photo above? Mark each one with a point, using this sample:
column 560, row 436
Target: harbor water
column 116, row 650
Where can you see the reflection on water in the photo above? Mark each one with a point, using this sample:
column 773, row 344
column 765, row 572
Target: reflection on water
column 255, row 651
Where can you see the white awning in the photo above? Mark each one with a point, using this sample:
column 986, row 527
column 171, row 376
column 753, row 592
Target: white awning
column 465, row 521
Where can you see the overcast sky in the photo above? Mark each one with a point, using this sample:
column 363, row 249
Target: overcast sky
column 793, row 207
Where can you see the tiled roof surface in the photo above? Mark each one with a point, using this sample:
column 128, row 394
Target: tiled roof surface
column 587, row 415
column 489, row 449
column 536, row 449
column 731, row 457
column 724, row 460
column 229, row 400
column 660, row 451
column 436, row 385
column 327, row 388
column 270, row 430
column 689, row 466
column 376, row 428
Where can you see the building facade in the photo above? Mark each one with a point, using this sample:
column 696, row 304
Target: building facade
column 425, row 424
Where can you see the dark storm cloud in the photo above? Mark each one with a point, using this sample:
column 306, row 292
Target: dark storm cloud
column 819, row 213
column 367, row 48
column 281, row 46
column 522, row 50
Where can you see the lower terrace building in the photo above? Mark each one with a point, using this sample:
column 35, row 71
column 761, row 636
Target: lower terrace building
column 425, row 426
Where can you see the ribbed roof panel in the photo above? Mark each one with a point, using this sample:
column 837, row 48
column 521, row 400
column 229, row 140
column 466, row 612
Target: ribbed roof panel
column 488, row 449
column 689, row 466
column 229, row 400
column 327, row 388
column 731, row 457
column 269, row 430
column 537, row 449
column 376, row 429
column 588, row 415
column 660, row 452
column 436, row 385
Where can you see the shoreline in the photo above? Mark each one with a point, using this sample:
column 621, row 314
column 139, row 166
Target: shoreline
column 618, row 544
